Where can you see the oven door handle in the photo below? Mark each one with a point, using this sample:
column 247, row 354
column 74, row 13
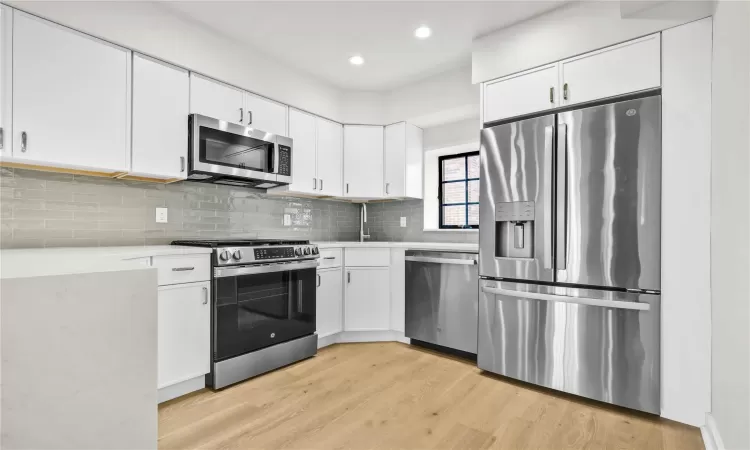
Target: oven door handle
column 223, row 272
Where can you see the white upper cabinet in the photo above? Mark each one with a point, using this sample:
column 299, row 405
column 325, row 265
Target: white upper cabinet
column 621, row 69
column 161, row 97
column 217, row 100
column 6, row 72
column 302, row 131
column 330, row 161
column 363, row 161
column 524, row 93
column 71, row 98
column 265, row 115
column 403, row 161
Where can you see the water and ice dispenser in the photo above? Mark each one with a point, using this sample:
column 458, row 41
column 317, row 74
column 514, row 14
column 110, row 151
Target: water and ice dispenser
column 514, row 230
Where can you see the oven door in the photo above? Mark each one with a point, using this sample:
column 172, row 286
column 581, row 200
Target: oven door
column 262, row 305
column 220, row 147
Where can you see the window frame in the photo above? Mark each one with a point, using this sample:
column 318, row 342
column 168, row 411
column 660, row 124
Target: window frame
column 465, row 180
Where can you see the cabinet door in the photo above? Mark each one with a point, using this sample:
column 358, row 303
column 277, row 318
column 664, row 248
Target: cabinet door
column 330, row 157
column 329, row 301
column 621, row 69
column 265, row 115
column 213, row 99
column 161, row 97
column 395, row 160
column 184, row 332
column 363, row 161
column 367, row 301
column 6, row 37
column 302, row 132
column 524, row 93
column 71, row 97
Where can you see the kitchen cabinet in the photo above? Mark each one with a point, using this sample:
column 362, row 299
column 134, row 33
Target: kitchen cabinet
column 330, row 157
column 302, row 131
column 71, row 98
column 329, row 302
column 523, row 93
column 161, row 97
column 265, row 115
column 217, row 100
column 184, row 332
column 6, row 72
column 367, row 299
column 363, row 161
column 621, row 69
column 403, row 161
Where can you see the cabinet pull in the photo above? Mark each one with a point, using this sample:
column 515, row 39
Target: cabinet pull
column 552, row 95
column 242, row 115
column 565, row 91
column 182, row 269
column 348, row 277
column 182, row 164
column 249, row 117
column 315, row 184
column 318, row 280
column 2, row 139
column 205, row 296
column 24, row 141
column 347, row 188
column 386, row 188
column 329, row 257
column 321, row 184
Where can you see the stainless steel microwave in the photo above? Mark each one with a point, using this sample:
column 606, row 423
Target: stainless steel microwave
column 222, row 152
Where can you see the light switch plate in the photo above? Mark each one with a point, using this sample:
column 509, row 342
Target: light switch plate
column 161, row 215
column 287, row 220
column 403, row 222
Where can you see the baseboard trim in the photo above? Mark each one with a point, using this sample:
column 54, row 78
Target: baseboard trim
column 362, row 336
column 182, row 388
column 710, row 433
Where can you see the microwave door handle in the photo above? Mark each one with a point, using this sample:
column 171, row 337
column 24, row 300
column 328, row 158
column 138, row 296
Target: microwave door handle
column 276, row 157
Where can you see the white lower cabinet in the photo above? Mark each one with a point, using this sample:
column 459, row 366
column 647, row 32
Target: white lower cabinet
column 329, row 302
column 184, row 332
column 367, row 304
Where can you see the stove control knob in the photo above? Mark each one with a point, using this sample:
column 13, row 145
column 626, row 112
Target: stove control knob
column 307, row 250
column 237, row 255
column 315, row 250
column 224, row 255
column 298, row 251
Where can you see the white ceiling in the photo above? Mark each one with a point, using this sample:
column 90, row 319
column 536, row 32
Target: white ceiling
column 318, row 37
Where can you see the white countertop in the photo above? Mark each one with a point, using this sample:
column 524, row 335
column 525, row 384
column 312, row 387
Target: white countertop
column 454, row 246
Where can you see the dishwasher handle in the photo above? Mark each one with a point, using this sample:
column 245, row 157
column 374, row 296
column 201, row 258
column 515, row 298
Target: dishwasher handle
column 462, row 262
column 617, row 304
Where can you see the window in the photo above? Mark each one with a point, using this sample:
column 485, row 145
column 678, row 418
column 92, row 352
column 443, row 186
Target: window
column 458, row 191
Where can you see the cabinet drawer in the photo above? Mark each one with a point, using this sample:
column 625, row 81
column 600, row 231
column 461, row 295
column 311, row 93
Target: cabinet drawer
column 330, row 257
column 182, row 269
column 368, row 257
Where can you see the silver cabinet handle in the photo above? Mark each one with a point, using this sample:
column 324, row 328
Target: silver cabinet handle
column 2, row 138
column 329, row 257
column 182, row 164
column 565, row 91
column 348, row 277
column 242, row 115
column 347, row 188
column 460, row 262
column 205, row 295
column 182, row 269
column 249, row 117
column 321, row 184
column 547, row 195
column 24, row 141
column 386, row 188
column 562, row 197
column 318, row 280
column 619, row 304
column 552, row 95
column 315, row 184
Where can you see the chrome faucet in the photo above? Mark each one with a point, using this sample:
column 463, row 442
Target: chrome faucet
column 363, row 219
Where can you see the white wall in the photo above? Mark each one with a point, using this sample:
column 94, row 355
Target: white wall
column 573, row 29
column 730, row 224
column 151, row 29
column 451, row 134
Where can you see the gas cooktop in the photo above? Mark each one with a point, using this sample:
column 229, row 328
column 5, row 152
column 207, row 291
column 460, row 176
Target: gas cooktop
column 254, row 251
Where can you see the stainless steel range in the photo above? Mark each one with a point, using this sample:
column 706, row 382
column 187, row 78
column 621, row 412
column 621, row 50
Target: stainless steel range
column 262, row 306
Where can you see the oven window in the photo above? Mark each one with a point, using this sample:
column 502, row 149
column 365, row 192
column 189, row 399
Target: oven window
column 234, row 150
column 257, row 311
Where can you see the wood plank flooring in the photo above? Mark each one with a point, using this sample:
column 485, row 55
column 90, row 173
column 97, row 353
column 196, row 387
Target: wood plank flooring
column 391, row 395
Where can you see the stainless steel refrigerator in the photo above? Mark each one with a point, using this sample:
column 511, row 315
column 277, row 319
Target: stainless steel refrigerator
column 569, row 251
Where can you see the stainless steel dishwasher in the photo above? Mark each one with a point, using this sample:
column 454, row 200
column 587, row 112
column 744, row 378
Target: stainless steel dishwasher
column 442, row 293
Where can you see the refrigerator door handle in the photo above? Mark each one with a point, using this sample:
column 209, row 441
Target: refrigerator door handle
column 617, row 304
column 562, row 197
column 549, row 206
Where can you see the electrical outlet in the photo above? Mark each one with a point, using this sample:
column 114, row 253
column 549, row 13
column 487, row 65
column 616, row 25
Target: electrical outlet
column 161, row 215
column 287, row 220
column 403, row 222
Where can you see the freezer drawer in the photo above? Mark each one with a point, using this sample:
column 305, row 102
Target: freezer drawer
column 441, row 298
column 603, row 345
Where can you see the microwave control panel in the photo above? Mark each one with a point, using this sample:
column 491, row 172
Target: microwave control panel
column 285, row 160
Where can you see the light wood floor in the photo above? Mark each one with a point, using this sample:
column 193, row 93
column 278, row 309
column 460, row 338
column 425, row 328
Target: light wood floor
column 390, row 395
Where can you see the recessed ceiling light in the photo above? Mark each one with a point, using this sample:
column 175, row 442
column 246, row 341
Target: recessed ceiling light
column 356, row 60
column 423, row 32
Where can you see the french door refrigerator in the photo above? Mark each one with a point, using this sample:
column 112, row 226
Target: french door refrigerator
column 569, row 251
